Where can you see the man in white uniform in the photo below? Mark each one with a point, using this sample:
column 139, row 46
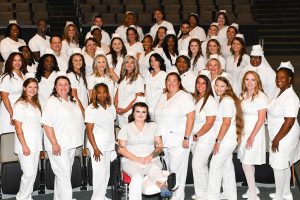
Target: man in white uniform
column 98, row 21
column 184, row 38
column 40, row 41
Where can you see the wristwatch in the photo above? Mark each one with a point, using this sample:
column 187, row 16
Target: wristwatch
column 218, row 141
column 186, row 138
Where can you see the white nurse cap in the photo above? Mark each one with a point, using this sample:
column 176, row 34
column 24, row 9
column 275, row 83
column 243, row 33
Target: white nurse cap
column 222, row 11
column 235, row 25
column 287, row 65
column 213, row 37
column 94, row 27
column 140, row 99
column 171, row 32
column 12, row 21
column 214, row 24
column 239, row 35
column 76, row 50
column 183, row 53
column 69, row 22
column 257, row 51
column 115, row 35
column 206, row 73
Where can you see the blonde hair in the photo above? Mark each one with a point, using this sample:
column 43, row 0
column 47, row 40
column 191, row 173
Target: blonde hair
column 136, row 72
column 239, row 121
column 257, row 88
column 219, row 65
column 106, row 70
column 218, row 44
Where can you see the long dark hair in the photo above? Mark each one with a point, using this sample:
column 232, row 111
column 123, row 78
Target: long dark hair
column 40, row 71
column 139, row 104
column 178, row 78
column 137, row 37
column 54, row 92
column 199, row 53
column 159, row 59
column 24, row 97
column 31, row 61
column 82, row 69
column 114, row 55
column 242, row 51
column 208, row 91
column 94, row 95
column 8, row 68
column 156, row 40
column 165, row 46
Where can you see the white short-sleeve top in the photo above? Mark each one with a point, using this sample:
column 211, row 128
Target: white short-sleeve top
column 88, row 63
column 46, row 85
column 30, row 118
column 155, row 27
column 127, row 91
column 210, row 109
column 8, row 45
column 227, row 108
column 117, row 68
column 144, row 63
column 105, row 37
column 121, row 30
column 154, row 88
column 66, row 118
column 222, row 34
column 78, row 84
column 103, row 120
column 199, row 65
column 170, row 115
column 183, row 44
column 188, row 80
column 67, row 48
column 92, row 80
column 135, row 48
column 38, row 43
column 139, row 143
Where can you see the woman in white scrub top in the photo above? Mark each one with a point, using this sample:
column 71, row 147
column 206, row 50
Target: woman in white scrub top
column 12, row 41
column 70, row 39
column 223, row 24
column 283, row 131
column 29, row 136
column 29, row 59
column 198, row 62
column 170, row 51
column 204, row 134
column 115, row 57
column 196, row 31
column 11, row 87
column 131, row 85
column 237, row 62
column 155, row 82
column 89, row 54
column 145, row 55
column 159, row 37
column 175, row 114
column 46, row 74
column 140, row 143
column 76, row 74
column 226, row 44
column 101, row 75
column 229, row 127
column 63, row 124
column 212, row 31
column 252, row 150
column 99, row 118
column 213, row 49
column 133, row 45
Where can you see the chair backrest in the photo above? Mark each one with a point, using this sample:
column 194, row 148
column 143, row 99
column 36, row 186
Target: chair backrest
column 7, row 153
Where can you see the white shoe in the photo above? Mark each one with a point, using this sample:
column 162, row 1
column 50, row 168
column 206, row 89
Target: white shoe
column 194, row 197
column 285, row 197
column 223, row 196
column 246, row 195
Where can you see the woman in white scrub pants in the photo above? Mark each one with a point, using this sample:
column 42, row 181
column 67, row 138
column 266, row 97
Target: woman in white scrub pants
column 283, row 131
column 131, row 85
column 11, row 87
column 204, row 134
column 63, row 124
column 228, row 125
column 252, row 150
column 99, row 118
column 175, row 114
column 155, row 82
column 140, row 143
column 28, row 143
column 76, row 74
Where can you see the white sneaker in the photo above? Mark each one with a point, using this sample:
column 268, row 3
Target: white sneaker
column 194, row 197
column 246, row 195
column 285, row 197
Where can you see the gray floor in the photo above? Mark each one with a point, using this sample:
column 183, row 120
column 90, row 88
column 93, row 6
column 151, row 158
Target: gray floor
column 86, row 195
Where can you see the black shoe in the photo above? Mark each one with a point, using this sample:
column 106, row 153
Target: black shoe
column 171, row 182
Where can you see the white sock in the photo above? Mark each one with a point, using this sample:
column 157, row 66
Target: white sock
column 287, row 188
column 279, row 175
column 249, row 171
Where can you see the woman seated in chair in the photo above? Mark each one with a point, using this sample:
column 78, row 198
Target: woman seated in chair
column 140, row 143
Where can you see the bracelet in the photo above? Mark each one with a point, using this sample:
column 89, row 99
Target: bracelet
column 186, row 138
column 218, row 141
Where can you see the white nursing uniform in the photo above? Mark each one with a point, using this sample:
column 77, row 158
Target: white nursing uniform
column 141, row 144
column 169, row 66
column 199, row 65
column 234, row 70
column 257, row 154
column 62, row 60
column 121, row 31
column 88, row 64
column 117, row 68
column 188, row 80
column 144, row 63
column 170, row 114
column 39, row 44
column 203, row 147
column 46, row 85
column 92, row 80
column 78, row 84
column 155, row 27
column 135, row 49
column 285, row 105
column 67, row 48
column 32, row 69
column 67, row 121
column 222, row 34
column 198, row 33
column 154, row 89
column 103, row 131
column 183, row 44
column 14, row 87
column 225, row 49
column 30, row 118
column 105, row 37
column 221, row 165
column 126, row 94
column 8, row 45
